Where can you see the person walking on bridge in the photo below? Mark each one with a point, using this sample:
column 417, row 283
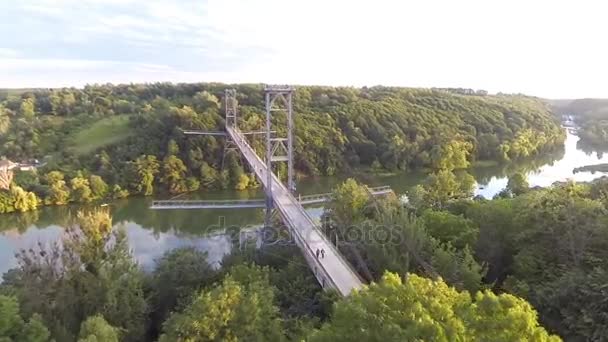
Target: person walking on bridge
column 322, row 254
column 318, row 253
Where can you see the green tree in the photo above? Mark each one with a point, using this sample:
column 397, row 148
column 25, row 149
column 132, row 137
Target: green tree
column 237, row 176
column 27, row 108
column 517, row 184
column 457, row 267
column 144, row 169
column 97, row 329
column 14, row 328
column 348, row 202
column 426, row 310
column 81, row 190
column 209, row 176
column 89, row 272
column 243, row 182
column 172, row 148
column 496, row 242
column 240, row 308
column 452, row 156
column 442, row 187
column 178, row 277
column 23, row 200
column 173, row 174
column 59, row 193
column 203, row 100
column 447, row 227
column 563, row 244
column 5, row 121
column 118, row 192
column 99, row 188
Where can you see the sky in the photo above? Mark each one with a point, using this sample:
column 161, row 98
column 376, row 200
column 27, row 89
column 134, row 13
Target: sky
column 553, row 49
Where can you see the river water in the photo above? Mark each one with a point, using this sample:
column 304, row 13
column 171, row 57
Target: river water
column 151, row 232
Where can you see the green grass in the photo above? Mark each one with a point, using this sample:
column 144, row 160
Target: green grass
column 104, row 132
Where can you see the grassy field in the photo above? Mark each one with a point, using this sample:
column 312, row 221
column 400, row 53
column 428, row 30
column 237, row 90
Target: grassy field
column 103, row 132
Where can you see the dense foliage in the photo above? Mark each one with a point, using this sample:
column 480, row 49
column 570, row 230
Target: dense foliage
column 545, row 245
column 88, row 288
column 420, row 309
column 107, row 141
column 591, row 117
column 89, row 272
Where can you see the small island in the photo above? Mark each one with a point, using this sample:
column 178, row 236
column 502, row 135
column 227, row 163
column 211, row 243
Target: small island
column 592, row 168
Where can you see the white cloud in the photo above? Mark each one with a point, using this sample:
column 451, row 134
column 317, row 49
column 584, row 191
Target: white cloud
column 8, row 53
column 548, row 48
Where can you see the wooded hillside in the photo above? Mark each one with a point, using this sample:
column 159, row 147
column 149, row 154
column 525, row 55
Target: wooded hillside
column 130, row 134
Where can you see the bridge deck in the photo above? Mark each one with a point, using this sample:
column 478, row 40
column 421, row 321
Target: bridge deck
column 333, row 270
column 250, row 203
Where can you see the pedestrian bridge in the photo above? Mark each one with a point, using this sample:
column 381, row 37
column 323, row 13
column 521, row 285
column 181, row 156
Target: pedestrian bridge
column 250, row 203
column 332, row 271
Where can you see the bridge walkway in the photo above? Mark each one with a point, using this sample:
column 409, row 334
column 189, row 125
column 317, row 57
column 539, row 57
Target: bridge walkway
column 333, row 270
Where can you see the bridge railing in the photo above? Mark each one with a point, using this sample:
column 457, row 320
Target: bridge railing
column 381, row 188
column 327, row 196
column 334, row 249
column 311, row 254
column 191, row 203
column 239, row 139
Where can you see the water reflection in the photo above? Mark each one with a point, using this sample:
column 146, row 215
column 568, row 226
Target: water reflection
column 543, row 172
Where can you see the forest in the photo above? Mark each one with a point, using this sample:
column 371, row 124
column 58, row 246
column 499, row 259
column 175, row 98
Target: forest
column 530, row 264
column 591, row 117
column 110, row 141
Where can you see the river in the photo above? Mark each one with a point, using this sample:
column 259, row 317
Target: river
column 151, row 233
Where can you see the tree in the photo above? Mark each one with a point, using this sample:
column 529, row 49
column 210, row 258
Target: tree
column 447, row 227
column 5, row 121
column 452, row 156
column 420, row 309
column 457, row 266
column 442, row 187
column 97, row 329
column 242, row 183
column 81, row 191
column 517, row 184
column 348, row 201
column 14, row 328
column 59, row 193
column 27, row 108
column 99, row 188
column 203, row 100
column 240, row 308
column 209, row 176
column 105, row 167
column 496, row 243
column 172, row 148
column 563, row 245
column 144, row 169
column 118, row 192
column 173, row 175
column 236, row 175
column 89, row 272
column 23, row 200
column 178, row 277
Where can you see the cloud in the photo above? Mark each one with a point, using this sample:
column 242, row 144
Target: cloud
column 8, row 53
column 356, row 42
